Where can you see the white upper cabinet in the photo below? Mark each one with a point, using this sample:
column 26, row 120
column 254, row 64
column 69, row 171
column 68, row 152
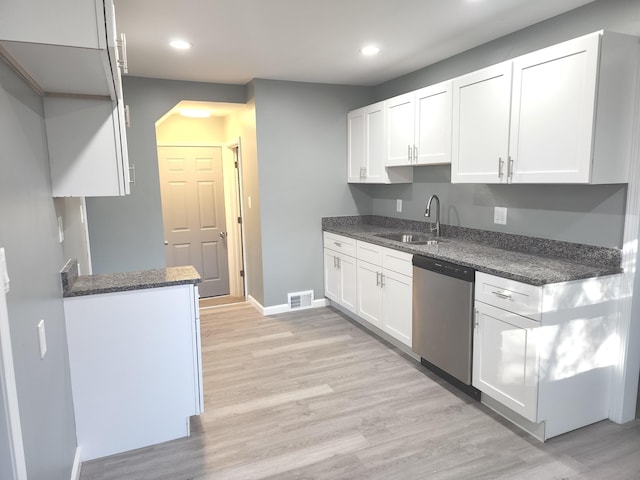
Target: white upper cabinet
column 75, row 61
column 433, row 110
column 73, row 54
column 400, row 129
column 419, row 127
column 565, row 118
column 481, row 103
column 366, row 148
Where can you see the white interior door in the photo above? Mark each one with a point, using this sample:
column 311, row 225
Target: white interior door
column 193, row 214
column 12, row 459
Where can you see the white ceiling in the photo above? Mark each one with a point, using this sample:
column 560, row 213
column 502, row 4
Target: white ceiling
column 235, row 41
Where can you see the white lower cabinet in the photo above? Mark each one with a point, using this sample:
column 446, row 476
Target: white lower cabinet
column 505, row 362
column 385, row 289
column 397, row 304
column 370, row 293
column 543, row 356
column 372, row 282
column 340, row 270
column 135, row 365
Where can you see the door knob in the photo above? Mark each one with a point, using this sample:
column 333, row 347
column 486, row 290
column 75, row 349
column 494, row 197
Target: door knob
column 166, row 242
column 223, row 235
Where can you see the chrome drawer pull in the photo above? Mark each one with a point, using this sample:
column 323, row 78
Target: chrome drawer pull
column 503, row 295
column 337, row 244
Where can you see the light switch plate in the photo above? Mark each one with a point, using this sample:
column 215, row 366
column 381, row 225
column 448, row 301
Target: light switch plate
column 500, row 215
column 399, row 205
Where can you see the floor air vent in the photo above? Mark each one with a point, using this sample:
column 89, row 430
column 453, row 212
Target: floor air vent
column 300, row 300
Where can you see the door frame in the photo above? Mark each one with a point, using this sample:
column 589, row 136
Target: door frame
column 238, row 201
column 235, row 248
column 10, row 408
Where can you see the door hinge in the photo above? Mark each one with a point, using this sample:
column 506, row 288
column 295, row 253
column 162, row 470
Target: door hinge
column 235, row 164
column 240, row 220
column 242, row 273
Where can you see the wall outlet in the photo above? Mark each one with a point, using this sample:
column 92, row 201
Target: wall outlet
column 500, row 215
column 42, row 337
column 399, row 205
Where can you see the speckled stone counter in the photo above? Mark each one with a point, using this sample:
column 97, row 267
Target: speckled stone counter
column 525, row 259
column 74, row 285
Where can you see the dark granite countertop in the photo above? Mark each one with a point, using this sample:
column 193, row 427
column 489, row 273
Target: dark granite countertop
column 562, row 262
column 74, row 285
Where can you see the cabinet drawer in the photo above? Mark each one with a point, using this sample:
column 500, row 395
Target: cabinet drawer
column 369, row 252
column 397, row 261
column 509, row 295
column 341, row 244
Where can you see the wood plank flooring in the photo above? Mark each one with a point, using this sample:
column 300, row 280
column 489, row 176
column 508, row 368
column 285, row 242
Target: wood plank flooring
column 311, row 395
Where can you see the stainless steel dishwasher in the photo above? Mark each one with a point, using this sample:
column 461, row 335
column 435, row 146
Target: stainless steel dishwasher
column 443, row 319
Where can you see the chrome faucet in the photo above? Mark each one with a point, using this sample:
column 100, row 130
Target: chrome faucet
column 427, row 213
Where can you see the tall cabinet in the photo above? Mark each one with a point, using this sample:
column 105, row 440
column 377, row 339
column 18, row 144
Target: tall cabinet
column 76, row 62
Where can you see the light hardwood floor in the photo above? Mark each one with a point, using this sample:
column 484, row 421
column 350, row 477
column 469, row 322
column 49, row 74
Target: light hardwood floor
column 311, row 395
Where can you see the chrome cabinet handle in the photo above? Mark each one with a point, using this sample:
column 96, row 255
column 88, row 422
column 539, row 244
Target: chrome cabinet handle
column 502, row 295
column 381, row 280
column 415, row 154
column 132, row 174
column 409, row 153
column 377, row 279
column 127, row 116
column 123, row 62
column 339, row 263
column 510, row 169
column 500, row 166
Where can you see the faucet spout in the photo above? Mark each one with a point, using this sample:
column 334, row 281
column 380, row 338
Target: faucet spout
column 427, row 213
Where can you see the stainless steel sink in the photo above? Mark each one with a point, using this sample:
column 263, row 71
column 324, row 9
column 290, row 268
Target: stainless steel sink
column 412, row 238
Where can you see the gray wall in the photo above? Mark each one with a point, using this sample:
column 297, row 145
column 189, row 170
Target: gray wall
column 302, row 148
column 125, row 233
column 584, row 214
column 28, row 232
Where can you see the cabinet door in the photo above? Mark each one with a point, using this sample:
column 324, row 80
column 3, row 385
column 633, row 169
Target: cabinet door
column 397, row 305
column 433, row 107
column 400, row 130
column 481, row 106
column 369, row 293
column 356, row 149
column 552, row 118
column 331, row 276
column 375, row 171
column 85, row 147
column 505, row 359
column 348, row 286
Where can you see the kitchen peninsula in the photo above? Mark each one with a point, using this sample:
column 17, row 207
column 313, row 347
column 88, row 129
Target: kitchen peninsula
column 135, row 356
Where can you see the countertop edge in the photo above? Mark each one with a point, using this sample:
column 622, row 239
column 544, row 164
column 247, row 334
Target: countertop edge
column 85, row 285
column 587, row 271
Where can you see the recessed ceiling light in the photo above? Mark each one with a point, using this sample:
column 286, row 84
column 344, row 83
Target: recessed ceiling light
column 180, row 44
column 195, row 113
column 369, row 50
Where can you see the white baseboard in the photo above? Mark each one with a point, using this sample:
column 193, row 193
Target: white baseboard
column 283, row 308
column 77, row 463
